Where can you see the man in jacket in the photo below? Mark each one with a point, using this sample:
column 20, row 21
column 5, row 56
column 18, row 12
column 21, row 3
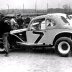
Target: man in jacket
column 4, row 32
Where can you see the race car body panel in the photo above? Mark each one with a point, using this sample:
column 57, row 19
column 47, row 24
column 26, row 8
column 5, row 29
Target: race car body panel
column 42, row 32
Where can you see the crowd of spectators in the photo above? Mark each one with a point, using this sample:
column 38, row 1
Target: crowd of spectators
column 18, row 22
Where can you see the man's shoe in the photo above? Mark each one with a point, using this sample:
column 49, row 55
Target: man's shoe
column 6, row 55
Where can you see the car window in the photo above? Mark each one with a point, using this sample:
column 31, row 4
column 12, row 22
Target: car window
column 64, row 20
column 70, row 17
column 37, row 24
column 50, row 23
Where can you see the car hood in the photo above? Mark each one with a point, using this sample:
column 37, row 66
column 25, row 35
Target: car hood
column 18, row 30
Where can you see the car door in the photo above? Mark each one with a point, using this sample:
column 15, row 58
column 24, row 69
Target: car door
column 35, row 34
column 49, row 31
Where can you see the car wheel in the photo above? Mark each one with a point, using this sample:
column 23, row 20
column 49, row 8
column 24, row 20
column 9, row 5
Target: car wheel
column 63, row 46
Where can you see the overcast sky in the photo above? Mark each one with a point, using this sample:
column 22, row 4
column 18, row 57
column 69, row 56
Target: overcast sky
column 30, row 4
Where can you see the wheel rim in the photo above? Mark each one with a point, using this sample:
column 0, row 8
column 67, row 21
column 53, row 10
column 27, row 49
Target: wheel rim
column 64, row 47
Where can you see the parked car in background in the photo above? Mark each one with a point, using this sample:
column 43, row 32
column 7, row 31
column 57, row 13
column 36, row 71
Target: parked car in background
column 50, row 31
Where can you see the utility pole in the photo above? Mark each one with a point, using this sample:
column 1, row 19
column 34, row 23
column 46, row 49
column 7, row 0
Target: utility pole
column 8, row 7
column 58, row 5
column 36, row 6
column 23, row 8
column 69, row 8
column 47, row 7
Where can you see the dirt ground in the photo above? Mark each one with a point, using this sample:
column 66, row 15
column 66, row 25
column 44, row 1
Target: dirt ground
column 34, row 61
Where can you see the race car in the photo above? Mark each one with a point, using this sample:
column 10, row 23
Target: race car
column 50, row 31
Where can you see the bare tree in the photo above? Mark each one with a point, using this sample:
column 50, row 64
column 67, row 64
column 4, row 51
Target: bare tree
column 67, row 7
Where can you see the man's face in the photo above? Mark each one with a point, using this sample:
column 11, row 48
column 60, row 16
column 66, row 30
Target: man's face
column 19, row 16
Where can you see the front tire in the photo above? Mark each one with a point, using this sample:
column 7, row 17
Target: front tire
column 63, row 46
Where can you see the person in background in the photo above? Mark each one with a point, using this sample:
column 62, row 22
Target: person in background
column 27, row 21
column 19, row 21
column 4, row 32
column 14, row 24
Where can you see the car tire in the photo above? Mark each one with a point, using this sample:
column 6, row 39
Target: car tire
column 63, row 46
